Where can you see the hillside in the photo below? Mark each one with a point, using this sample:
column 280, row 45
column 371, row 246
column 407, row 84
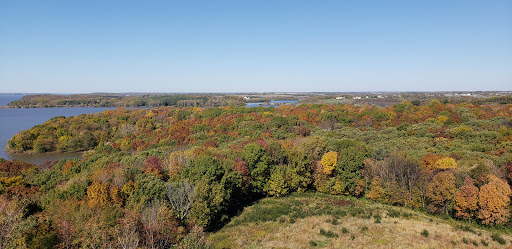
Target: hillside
column 313, row 220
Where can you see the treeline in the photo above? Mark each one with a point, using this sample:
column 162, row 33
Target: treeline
column 159, row 178
column 418, row 98
column 119, row 100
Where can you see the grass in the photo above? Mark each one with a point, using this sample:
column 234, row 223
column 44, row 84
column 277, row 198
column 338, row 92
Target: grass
column 272, row 209
column 313, row 220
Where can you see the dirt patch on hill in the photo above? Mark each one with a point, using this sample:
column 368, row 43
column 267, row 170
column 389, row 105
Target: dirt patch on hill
column 341, row 202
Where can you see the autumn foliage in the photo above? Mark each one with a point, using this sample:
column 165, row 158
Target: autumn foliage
column 494, row 199
column 329, row 161
column 442, row 158
column 445, row 163
column 466, row 200
column 440, row 191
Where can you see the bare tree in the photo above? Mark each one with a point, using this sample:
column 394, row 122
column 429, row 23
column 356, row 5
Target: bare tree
column 127, row 237
column 181, row 196
column 369, row 171
column 405, row 172
column 151, row 224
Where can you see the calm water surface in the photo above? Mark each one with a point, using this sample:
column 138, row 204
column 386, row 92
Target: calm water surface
column 271, row 103
column 7, row 98
column 13, row 121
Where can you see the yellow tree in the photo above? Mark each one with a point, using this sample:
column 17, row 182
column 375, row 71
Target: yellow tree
column 329, row 161
column 493, row 199
column 446, row 163
column 177, row 160
column 98, row 194
column 377, row 192
column 116, row 195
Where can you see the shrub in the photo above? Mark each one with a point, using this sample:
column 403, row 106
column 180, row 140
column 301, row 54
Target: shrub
column 424, row 233
column 377, row 218
column 393, row 213
column 355, row 211
column 497, row 237
column 328, row 234
column 364, row 229
column 314, row 243
column 484, row 243
column 465, row 240
column 344, row 230
column 193, row 240
column 467, row 229
column 340, row 213
column 333, row 221
column 407, row 215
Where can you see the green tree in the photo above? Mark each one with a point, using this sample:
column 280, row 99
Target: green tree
column 277, row 182
column 257, row 161
column 204, row 167
column 349, row 166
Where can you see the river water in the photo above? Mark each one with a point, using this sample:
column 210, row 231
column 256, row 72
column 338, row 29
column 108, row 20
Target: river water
column 14, row 120
column 271, row 103
column 7, row 98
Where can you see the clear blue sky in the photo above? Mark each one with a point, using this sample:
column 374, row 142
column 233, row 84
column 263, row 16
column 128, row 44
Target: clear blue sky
column 237, row 46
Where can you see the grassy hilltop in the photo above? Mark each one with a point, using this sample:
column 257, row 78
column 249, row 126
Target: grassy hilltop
column 313, row 220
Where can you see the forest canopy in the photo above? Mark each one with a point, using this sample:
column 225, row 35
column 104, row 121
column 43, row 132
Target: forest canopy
column 126, row 100
column 166, row 175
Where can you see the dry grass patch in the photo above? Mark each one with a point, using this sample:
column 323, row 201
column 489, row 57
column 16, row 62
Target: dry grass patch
column 324, row 223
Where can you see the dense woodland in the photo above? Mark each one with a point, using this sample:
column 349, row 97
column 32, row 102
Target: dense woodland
column 163, row 177
column 120, row 100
